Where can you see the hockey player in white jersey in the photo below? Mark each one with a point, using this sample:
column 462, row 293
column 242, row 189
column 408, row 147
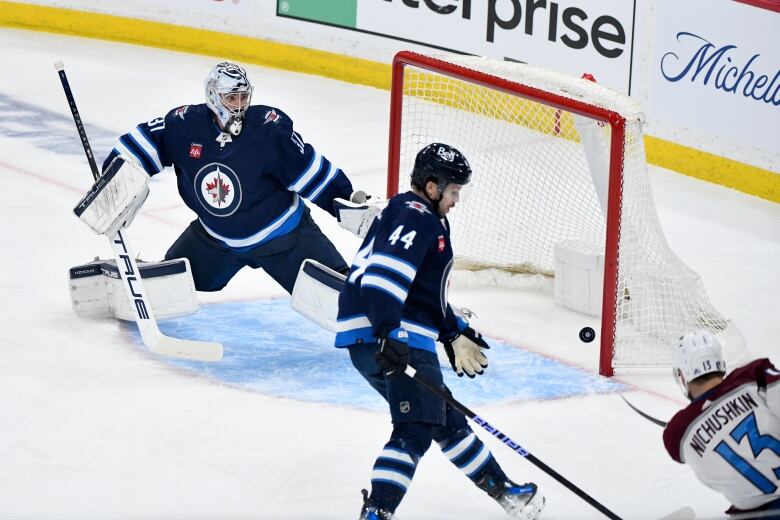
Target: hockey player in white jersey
column 730, row 433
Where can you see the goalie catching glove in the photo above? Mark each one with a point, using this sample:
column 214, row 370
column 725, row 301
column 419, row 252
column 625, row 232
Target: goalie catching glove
column 115, row 198
column 464, row 350
column 357, row 213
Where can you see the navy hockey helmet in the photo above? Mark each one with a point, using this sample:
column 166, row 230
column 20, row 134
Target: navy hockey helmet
column 440, row 163
column 228, row 94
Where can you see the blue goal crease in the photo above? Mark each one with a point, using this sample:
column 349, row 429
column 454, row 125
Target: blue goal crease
column 271, row 349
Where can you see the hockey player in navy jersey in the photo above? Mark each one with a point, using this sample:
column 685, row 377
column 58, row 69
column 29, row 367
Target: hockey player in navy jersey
column 243, row 170
column 392, row 310
column 730, row 433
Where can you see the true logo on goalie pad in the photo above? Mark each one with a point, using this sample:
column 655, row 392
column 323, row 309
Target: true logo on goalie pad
column 218, row 189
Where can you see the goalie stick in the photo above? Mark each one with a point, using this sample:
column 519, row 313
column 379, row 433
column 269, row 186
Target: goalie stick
column 411, row 372
column 151, row 335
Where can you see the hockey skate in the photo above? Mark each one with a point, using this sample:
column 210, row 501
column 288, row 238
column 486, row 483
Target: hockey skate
column 371, row 512
column 520, row 501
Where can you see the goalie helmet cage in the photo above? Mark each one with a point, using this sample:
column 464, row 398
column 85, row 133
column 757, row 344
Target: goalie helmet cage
column 555, row 159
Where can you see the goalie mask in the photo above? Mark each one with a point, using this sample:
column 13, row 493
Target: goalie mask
column 228, row 93
column 697, row 354
column 440, row 163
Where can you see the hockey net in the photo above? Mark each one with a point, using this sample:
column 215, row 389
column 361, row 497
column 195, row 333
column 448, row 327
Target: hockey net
column 555, row 159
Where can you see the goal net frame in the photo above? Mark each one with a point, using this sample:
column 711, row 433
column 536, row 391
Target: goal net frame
column 616, row 121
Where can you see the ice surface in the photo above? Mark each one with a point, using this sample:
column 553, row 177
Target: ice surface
column 94, row 427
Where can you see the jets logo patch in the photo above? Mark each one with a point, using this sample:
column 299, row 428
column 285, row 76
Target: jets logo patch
column 218, row 189
column 196, row 150
column 272, row 117
column 419, row 206
column 181, row 111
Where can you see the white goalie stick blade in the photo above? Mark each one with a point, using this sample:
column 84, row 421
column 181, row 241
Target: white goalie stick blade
column 685, row 513
column 155, row 340
column 187, row 349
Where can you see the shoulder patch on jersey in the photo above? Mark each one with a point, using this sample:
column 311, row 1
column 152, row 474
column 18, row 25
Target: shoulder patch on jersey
column 419, row 206
column 181, row 111
column 271, row 117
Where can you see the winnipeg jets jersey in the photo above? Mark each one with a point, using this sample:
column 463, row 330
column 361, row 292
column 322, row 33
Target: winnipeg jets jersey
column 245, row 189
column 730, row 436
column 399, row 278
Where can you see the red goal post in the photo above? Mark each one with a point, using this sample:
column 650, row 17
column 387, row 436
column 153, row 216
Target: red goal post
column 520, row 126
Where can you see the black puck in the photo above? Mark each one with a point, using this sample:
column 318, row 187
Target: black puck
column 587, row 334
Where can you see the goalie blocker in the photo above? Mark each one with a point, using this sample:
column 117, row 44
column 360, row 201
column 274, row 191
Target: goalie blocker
column 115, row 198
column 96, row 289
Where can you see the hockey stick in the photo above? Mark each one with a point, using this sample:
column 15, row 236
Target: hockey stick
column 650, row 418
column 411, row 372
column 131, row 277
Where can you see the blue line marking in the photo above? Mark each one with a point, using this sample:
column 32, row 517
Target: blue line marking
column 271, row 349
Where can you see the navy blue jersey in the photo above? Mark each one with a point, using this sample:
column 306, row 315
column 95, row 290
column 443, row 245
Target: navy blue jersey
column 399, row 278
column 245, row 189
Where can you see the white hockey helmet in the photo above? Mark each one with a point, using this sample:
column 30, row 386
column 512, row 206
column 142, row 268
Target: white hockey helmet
column 228, row 93
column 697, row 353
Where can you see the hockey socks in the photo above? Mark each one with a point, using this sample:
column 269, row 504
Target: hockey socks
column 392, row 475
column 470, row 455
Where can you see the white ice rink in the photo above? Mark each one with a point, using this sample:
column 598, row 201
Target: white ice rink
column 93, row 427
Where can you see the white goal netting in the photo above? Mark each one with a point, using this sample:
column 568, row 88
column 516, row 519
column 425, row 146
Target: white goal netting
column 540, row 178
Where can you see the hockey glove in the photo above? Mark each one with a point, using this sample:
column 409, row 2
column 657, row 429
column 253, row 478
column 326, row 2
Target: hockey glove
column 464, row 350
column 358, row 213
column 393, row 354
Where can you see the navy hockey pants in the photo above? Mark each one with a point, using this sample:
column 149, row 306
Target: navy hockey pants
column 213, row 264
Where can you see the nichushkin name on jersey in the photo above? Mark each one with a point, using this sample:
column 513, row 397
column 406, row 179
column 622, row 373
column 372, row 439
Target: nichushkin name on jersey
column 718, row 418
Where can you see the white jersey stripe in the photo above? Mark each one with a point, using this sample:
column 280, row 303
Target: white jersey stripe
column 148, row 146
column 357, row 322
column 388, row 286
column 126, row 152
column 306, row 177
column 396, row 265
column 332, row 171
column 419, row 329
column 260, row 235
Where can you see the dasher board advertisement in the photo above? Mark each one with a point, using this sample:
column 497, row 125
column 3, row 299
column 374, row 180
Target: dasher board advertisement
column 717, row 77
column 571, row 36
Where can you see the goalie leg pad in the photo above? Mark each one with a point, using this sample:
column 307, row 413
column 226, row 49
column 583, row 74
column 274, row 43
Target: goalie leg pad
column 316, row 294
column 96, row 289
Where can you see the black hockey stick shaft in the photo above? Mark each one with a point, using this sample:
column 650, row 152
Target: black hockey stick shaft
column 77, row 119
column 650, row 418
column 411, row 372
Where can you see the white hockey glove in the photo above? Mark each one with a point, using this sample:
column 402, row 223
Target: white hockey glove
column 115, row 198
column 357, row 214
column 464, row 351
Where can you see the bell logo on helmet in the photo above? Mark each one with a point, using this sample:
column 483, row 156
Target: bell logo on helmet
column 447, row 155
